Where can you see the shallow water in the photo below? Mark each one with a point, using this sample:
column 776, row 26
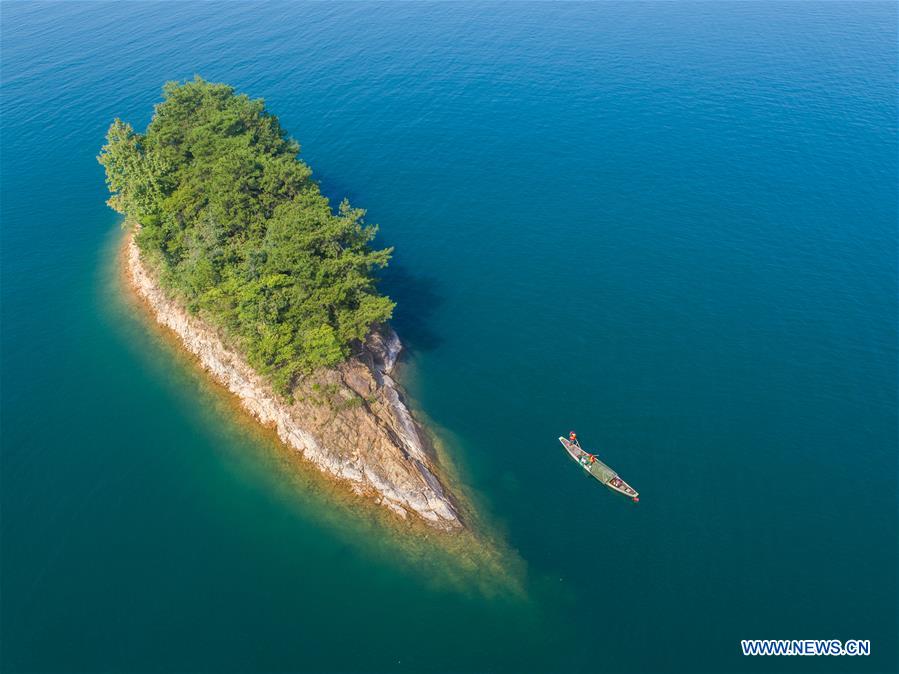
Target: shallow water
column 670, row 227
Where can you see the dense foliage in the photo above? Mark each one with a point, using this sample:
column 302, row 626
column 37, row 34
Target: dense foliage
column 241, row 233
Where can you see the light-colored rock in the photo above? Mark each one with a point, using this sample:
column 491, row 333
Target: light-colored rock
column 350, row 421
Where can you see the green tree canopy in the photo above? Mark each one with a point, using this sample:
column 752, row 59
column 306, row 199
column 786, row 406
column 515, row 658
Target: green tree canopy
column 238, row 230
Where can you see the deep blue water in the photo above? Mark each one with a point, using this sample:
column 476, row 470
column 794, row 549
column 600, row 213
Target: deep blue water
column 671, row 227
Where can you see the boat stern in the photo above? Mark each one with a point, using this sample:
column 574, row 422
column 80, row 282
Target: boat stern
column 623, row 487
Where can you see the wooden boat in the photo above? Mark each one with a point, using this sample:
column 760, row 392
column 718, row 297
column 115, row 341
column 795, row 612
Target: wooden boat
column 598, row 469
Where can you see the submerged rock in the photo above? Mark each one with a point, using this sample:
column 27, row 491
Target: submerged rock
column 350, row 420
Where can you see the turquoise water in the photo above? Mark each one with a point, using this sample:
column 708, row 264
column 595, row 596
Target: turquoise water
column 671, row 227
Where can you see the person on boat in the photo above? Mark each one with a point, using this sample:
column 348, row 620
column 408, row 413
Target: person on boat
column 572, row 438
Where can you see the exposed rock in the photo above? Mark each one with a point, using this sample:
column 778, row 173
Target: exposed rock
column 350, row 421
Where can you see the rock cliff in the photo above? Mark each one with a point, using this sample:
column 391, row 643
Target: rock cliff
column 350, row 421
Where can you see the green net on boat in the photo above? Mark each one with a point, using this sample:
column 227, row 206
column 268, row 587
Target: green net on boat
column 601, row 471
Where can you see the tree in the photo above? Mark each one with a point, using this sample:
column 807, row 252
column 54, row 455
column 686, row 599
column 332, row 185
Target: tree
column 242, row 235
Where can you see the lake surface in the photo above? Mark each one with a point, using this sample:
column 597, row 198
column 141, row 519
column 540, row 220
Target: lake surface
column 671, row 227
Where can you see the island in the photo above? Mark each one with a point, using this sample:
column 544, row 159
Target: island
column 233, row 247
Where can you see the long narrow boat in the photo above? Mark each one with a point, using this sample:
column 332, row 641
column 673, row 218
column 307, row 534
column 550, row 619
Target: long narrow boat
column 599, row 470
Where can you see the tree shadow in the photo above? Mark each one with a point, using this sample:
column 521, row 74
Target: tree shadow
column 417, row 300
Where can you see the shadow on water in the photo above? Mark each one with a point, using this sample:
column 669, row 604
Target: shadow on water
column 417, row 298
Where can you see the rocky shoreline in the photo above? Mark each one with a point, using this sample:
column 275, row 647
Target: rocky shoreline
column 350, row 421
